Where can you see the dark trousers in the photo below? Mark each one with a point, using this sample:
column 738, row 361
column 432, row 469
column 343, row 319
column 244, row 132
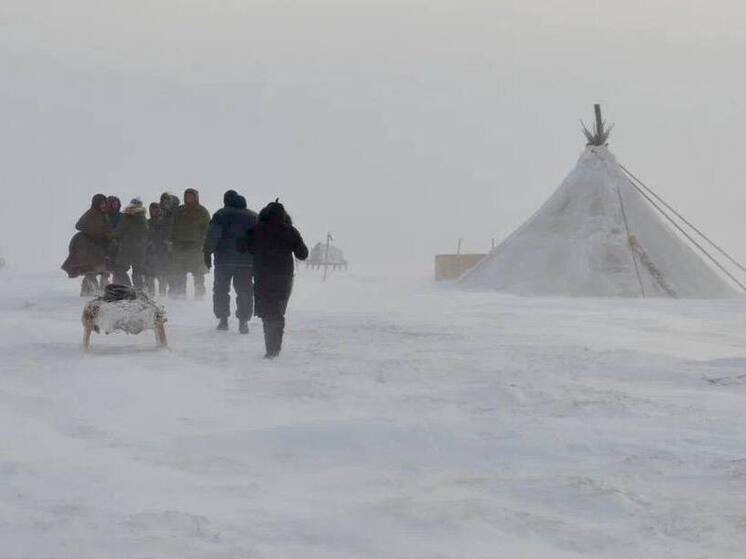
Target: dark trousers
column 274, row 329
column 243, row 284
column 187, row 260
column 272, row 295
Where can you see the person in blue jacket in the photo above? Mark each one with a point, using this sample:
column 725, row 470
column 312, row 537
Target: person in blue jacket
column 229, row 224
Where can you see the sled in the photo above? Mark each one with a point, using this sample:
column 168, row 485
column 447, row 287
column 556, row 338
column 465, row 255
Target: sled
column 123, row 309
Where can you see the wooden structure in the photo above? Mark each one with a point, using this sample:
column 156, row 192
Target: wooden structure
column 327, row 257
column 453, row 266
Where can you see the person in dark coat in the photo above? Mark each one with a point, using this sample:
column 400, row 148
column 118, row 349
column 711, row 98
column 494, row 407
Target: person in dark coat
column 114, row 206
column 227, row 226
column 131, row 238
column 273, row 243
column 157, row 260
column 169, row 203
column 89, row 247
column 187, row 237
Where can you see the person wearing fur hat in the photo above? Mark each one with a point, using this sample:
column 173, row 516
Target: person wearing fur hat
column 190, row 224
column 131, row 237
column 229, row 224
column 169, row 203
column 89, row 247
column 273, row 243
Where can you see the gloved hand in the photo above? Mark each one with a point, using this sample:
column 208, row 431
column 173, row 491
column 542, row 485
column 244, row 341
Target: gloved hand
column 208, row 259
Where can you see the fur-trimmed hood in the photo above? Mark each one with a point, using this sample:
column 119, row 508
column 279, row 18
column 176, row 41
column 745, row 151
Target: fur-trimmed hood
column 114, row 200
column 97, row 200
column 134, row 210
column 194, row 192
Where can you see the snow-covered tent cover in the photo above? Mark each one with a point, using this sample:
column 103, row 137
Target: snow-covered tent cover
column 597, row 236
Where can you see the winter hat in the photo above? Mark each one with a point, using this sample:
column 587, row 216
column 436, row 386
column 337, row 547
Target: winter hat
column 136, row 202
column 194, row 192
column 153, row 206
column 274, row 212
column 241, row 203
column 230, row 198
column 169, row 201
column 97, row 200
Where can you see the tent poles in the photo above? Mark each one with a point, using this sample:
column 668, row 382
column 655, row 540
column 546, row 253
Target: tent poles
column 687, row 235
column 634, row 257
column 624, row 218
column 682, row 218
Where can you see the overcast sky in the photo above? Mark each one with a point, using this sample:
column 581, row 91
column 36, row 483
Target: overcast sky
column 400, row 126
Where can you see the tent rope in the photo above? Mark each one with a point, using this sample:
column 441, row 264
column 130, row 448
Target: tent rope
column 629, row 236
column 687, row 235
column 632, row 252
column 682, row 218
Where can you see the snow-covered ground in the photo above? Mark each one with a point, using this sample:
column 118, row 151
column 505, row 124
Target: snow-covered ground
column 403, row 420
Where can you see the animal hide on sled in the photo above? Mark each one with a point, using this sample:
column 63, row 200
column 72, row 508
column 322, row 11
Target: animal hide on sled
column 124, row 309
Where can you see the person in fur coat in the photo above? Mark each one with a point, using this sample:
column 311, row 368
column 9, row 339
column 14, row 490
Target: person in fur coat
column 89, row 248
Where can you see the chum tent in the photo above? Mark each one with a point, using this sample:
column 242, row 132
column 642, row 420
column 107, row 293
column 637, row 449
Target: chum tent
column 603, row 233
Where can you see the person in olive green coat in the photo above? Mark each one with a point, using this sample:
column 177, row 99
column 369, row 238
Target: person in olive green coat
column 188, row 231
column 131, row 237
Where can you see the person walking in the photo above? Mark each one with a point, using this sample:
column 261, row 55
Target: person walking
column 273, row 243
column 190, row 223
column 131, row 238
column 89, row 248
column 228, row 225
column 169, row 203
column 157, row 259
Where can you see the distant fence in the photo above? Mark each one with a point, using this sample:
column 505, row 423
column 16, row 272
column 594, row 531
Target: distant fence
column 452, row 266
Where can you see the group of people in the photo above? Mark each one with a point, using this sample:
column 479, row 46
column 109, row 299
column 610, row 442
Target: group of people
column 156, row 249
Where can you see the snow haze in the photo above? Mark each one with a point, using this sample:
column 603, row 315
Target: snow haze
column 403, row 419
column 399, row 126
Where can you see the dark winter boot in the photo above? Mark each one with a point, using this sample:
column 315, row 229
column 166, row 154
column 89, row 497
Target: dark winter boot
column 243, row 326
column 267, row 326
column 278, row 335
column 223, row 324
column 273, row 331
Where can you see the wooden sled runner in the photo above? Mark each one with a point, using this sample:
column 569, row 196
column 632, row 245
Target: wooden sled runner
column 123, row 309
